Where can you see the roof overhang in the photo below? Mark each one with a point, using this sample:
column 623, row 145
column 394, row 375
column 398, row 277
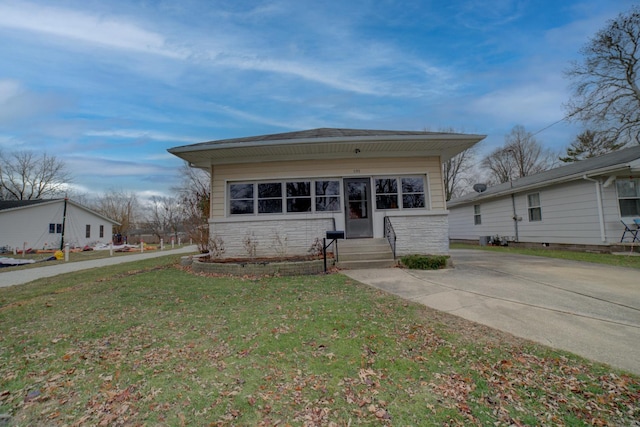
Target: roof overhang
column 326, row 148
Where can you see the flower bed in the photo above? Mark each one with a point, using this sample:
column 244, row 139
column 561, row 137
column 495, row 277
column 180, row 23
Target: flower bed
column 259, row 267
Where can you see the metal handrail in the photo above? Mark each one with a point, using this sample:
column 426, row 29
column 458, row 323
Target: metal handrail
column 390, row 234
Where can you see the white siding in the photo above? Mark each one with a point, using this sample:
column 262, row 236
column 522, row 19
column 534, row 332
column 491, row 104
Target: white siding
column 496, row 217
column 30, row 226
column 569, row 216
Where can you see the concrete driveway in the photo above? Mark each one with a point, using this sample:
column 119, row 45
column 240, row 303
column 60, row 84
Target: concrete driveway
column 589, row 309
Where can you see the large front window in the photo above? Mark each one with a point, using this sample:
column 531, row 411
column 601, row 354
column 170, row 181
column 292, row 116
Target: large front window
column 280, row 197
column 395, row 192
column 629, row 196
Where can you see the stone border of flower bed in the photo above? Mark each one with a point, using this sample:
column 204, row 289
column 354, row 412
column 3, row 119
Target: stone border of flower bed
column 261, row 268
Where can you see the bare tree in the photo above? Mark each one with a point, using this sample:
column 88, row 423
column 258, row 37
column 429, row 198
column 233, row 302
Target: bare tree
column 605, row 84
column 589, row 144
column 522, row 155
column 119, row 206
column 25, row 175
column 194, row 195
column 164, row 216
column 456, row 172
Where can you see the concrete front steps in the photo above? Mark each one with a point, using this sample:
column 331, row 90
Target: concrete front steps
column 355, row 254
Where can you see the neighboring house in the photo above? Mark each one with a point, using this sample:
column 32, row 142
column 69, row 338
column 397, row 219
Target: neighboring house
column 578, row 204
column 281, row 193
column 39, row 224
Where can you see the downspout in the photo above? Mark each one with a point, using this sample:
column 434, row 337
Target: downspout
column 515, row 216
column 600, row 208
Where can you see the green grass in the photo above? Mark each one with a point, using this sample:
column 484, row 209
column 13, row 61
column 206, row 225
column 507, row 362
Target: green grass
column 609, row 259
column 148, row 343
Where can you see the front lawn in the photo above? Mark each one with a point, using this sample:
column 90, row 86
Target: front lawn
column 147, row 343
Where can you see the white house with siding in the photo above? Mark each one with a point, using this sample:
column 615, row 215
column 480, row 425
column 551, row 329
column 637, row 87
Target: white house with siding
column 42, row 224
column 279, row 193
column 581, row 203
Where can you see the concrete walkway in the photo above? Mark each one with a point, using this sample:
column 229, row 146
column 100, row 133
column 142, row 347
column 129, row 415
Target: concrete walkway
column 18, row 277
column 589, row 309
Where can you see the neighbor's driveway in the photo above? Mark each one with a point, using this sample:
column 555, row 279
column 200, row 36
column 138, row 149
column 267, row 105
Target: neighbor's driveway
column 589, row 309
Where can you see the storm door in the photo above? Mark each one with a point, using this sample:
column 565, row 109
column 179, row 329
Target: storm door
column 358, row 220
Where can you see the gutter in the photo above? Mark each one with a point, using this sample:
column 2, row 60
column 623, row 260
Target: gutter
column 603, row 236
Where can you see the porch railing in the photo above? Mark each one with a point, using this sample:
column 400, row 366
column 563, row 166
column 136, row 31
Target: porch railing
column 390, row 234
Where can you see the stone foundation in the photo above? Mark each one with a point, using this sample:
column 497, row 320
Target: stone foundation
column 264, row 268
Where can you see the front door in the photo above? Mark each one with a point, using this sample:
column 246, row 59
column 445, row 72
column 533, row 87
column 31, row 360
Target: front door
column 358, row 208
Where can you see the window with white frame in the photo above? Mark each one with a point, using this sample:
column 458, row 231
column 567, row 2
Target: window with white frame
column 241, row 199
column 270, row 197
column 327, row 196
column 535, row 210
column 55, row 228
column 299, row 196
column 407, row 192
column 629, row 196
column 284, row 197
column 477, row 218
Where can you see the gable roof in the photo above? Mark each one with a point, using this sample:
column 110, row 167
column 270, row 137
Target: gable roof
column 11, row 205
column 325, row 143
column 625, row 160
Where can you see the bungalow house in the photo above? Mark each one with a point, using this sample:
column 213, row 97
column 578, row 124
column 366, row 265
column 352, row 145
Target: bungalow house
column 281, row 193
column 581, row 204
column 42, row 224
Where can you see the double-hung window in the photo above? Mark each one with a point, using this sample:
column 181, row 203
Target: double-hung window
column 395, row 192
column 629, row 196
column 241, row 199
column 477, row 218
column 535, row 210
column 270, row 197
column 327, row 196
column 299, row 196
column 87, row 233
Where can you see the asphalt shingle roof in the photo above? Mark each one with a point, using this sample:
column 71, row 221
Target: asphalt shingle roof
column 319, row 133
column 12, row 204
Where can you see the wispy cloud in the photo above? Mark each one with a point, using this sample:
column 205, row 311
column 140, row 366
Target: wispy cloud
column 111, row 32
column 141, row 134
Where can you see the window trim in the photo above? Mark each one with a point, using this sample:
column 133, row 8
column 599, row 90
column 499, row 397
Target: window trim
column 533, row 208
column 88, row 231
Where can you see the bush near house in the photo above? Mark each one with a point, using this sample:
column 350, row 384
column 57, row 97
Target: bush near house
column 425, row 262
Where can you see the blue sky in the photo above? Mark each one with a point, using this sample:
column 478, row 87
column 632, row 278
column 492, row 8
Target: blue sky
column 108, row 86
